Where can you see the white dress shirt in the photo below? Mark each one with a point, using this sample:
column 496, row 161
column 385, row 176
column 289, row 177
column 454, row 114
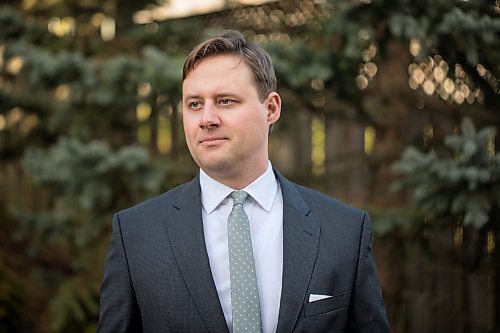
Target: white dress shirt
column 264, row 208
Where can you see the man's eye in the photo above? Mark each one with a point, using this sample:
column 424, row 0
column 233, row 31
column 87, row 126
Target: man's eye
column 225, row 101
column 194, row 105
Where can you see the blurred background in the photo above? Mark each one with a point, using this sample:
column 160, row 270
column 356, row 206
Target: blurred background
column 389, row 105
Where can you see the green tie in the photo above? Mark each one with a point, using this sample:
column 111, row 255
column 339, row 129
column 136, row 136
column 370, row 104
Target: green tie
column 244, row 292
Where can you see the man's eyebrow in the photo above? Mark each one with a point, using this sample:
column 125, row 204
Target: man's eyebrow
column 219, row 95
column 227, row 94
column 191, row 97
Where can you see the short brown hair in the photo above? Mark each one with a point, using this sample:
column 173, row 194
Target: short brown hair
column 233, row 42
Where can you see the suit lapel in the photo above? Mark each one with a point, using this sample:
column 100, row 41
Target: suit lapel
column 300, row 248
column 185, row 229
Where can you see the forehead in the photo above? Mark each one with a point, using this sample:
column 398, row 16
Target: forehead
column 219, row 70
column 227, row 60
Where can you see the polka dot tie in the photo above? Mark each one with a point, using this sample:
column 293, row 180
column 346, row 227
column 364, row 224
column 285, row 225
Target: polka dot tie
column 244, row 292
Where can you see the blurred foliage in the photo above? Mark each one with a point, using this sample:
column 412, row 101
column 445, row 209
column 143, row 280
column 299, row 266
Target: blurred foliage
column 69, row 105
column 456, row 189
column 87, row 183
column 68, row 94
column 461, row 32
column 463, row 179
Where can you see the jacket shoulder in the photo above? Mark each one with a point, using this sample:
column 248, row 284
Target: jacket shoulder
column 325, row 204
column 159, row 206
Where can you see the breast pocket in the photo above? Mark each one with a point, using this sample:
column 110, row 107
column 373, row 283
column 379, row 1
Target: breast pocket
column 326, row 305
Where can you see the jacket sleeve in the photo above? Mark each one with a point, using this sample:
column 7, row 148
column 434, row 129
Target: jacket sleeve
column 367, row 310
column 119, row 311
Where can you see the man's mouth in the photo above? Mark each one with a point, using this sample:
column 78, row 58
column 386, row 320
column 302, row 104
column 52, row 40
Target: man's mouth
column 213, row 140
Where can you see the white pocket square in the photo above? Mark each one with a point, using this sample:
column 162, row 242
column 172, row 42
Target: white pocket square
column 317, row 297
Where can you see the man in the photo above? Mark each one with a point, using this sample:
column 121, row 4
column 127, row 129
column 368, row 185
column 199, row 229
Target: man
column 201, row 258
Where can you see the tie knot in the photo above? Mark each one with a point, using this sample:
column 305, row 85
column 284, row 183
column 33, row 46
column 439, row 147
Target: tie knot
column 239, row 197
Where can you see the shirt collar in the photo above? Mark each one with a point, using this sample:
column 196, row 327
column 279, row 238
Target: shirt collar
column 263, row 190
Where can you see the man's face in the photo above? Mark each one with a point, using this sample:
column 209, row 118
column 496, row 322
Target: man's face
column 225, row 123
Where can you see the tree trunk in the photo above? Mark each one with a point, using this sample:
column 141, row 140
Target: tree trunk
column 466, row 271
column 494, row 218
column 154, row 129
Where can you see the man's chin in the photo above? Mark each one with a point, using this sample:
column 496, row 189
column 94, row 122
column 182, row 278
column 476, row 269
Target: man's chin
column 217, row 168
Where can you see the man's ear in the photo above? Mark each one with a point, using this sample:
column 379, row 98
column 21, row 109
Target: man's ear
column 273, row 105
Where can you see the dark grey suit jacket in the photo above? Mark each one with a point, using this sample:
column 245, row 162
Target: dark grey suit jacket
column 158, row 279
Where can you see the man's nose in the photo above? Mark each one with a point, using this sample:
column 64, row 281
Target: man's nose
column 209, row 116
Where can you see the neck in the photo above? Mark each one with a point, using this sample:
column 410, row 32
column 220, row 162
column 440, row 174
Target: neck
column 241, row 179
